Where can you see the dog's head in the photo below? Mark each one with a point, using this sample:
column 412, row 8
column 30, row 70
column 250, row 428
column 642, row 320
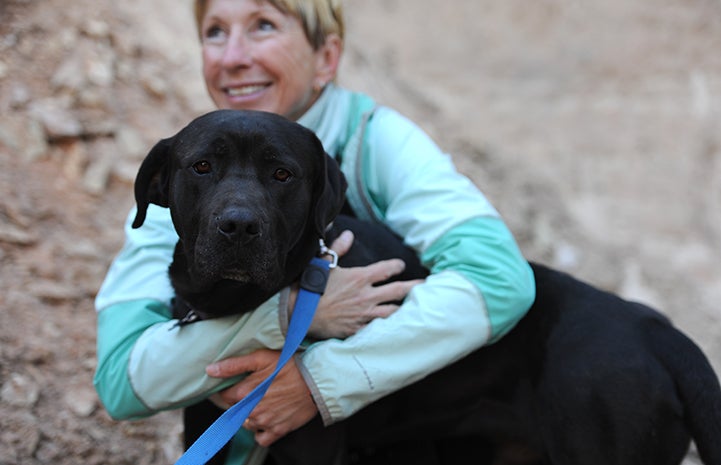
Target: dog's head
column 249, row 193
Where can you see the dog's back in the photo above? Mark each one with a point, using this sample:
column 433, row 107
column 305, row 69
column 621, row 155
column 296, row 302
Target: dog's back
column 626, row 372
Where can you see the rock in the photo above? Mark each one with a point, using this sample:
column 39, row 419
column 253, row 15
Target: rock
column 37, row 355
column 43, row 262
column 20, row 391
column 126, row 170
column 90, row 276
column 53, row 291
column 19, row 95
column 566, row 256
column 94, row 98
column 8, row 138
column 8, row 41
column 82, row 401
column 100, row 69
column 75, row 158
column 12, row 234
column 154, row 85
column 49, row 452
column 68, row 74
column 67, row 39
column 19, row 437
column 96, row 124
column 104, row 154
column 24, row 136
column 34, row 145
column 635, row 287
column 130, row 143
column 95, row 29
column 82, row 249
column 56, row 118
column 90, row 63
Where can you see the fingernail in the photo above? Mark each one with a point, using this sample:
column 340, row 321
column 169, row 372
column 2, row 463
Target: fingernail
column 212, row 369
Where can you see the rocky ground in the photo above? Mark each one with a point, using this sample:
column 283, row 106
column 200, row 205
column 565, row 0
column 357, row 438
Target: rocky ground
column 593, row 126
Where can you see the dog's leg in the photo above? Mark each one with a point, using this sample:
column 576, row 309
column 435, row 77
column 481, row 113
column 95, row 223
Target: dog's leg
column 615, row 411
column 313, row 444
column 196, row 419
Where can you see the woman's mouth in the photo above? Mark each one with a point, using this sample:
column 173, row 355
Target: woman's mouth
column 243, row 91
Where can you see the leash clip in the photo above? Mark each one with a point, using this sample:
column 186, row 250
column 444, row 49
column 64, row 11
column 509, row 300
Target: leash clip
column 315, row 276
column 324, row 250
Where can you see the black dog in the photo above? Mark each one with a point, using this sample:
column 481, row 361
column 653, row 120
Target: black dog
column 586, row 378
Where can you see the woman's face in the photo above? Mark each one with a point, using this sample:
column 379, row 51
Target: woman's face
column 256, row 57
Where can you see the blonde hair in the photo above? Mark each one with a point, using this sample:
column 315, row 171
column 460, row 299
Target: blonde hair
column 319, row 18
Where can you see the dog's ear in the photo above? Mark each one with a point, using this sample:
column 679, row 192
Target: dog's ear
column 330, row 193
column 151, row 183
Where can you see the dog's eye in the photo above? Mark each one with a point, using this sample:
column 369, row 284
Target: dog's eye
column 282, row 175
column 202, row 167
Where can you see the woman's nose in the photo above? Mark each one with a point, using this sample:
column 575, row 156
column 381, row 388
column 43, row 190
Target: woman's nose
column 238, row 51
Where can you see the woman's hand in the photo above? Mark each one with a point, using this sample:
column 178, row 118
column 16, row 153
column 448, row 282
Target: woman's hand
column 286, row 406
column 351, row 300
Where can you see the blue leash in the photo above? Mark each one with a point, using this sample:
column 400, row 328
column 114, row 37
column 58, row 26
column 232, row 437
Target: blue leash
column 312, row 285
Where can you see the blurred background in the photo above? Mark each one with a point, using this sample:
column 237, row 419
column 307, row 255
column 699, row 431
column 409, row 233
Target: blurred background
column 594, row 126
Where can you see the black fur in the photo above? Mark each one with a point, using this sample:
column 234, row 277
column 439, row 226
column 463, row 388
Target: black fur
column 586, row 378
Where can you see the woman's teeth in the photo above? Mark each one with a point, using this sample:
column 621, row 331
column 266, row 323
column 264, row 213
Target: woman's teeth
column 245, row 90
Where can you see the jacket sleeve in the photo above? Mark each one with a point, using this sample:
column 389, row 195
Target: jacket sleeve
column 479, row 288
column 147, row 363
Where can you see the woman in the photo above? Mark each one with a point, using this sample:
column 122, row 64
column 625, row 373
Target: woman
column 282, row 56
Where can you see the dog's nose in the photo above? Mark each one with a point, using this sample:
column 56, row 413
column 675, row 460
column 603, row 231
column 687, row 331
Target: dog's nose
column 238, row 224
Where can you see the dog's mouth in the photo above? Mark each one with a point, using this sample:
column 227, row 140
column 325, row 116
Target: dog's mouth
column 254, row 269
column 260, row 277
column 240, row 276
column 259, row 264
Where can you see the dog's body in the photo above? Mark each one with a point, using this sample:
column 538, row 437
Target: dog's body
column 585, row 378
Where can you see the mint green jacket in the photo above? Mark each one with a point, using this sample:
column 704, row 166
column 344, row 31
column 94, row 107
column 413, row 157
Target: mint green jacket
column 479, row 287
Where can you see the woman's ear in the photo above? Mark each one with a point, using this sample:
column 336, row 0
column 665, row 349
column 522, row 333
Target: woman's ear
column 328, row 60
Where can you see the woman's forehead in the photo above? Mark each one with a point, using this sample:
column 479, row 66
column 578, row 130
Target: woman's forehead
column 319, row 18
column 293, row 7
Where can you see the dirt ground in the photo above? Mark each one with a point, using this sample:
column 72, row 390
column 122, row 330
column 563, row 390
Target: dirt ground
column 593, row 126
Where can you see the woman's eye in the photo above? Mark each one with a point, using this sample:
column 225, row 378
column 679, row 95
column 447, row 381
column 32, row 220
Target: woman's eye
column 202, row 167
column 266, row 25
column 282, row 175
column 213, row 34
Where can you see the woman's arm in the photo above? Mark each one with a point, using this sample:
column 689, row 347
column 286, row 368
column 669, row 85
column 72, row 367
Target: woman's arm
column 146, row 362
column 480, row 285
column 441, row 320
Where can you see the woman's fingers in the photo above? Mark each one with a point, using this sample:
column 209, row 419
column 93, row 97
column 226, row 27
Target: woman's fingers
column 381, row 271
column 353, row 298
column 342, row 244
column 235, row 366
column 393, row 292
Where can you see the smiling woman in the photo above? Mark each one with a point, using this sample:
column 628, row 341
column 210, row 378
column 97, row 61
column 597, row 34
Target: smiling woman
column 257, row 55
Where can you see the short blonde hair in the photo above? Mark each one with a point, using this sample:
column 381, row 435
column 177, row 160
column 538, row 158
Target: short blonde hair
column 319, row 18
